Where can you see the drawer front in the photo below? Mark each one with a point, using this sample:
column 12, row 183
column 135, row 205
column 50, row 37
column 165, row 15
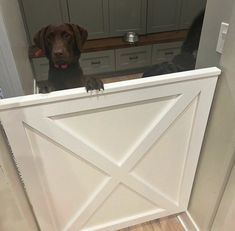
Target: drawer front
column 165, row 52
column 41, row 67
column 135, row 57
column 98, row 62
column 91, row 63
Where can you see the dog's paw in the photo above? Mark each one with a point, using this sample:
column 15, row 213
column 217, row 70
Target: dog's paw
column 94, row 84
column 44, row 89
column 47, row 88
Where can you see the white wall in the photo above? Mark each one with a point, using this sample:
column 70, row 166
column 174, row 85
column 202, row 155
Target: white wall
column 224, row 219
column 217, row 11
column 9, row 77
column 218, row 148
column 21, row 76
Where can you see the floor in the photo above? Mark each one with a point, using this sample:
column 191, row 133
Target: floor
column 164, row 224
column 121, row 78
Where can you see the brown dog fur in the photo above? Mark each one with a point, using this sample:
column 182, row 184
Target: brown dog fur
column 62, row 45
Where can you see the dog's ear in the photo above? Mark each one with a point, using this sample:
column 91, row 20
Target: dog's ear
column 80, row 35
column 39, row 38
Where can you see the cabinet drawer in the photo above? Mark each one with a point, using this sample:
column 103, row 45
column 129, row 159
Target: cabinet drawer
column 98, row 62
column 41, row 67
column 91, row 63
column 134, row 57
column 165, row 52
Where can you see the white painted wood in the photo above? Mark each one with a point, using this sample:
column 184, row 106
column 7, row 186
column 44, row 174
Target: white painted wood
column 108, row 161
column 187, row 222
column 12, row 194
column 9, row 78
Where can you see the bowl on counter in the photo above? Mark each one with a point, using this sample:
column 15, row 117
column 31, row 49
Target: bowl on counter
column 131, row 37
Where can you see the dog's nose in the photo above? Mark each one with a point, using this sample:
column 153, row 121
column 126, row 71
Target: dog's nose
column 58, row 53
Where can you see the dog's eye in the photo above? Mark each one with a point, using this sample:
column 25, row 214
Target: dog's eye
column 67, row 35
column 50, row 37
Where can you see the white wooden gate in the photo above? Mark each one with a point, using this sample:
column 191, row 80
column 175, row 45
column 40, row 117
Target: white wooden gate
column 108, row 161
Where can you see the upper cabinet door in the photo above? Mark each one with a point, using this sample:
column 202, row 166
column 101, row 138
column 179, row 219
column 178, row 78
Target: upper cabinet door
column 41, row 13
column 163, row 15
column 92, row 15
column 127, row 15
column 190, row 9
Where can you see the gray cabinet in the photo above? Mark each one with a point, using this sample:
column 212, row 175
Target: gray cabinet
column 92, row 15
column 190, row 9
column 107, row 18
column 127, row 16
column 91, row 63
column 124, row 59
column 165, row 52
column 41, row 13
column 98, row 62
column 134, row 57
column 104, row 18
column 163, row 15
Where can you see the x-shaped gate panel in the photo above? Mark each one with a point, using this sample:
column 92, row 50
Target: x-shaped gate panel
column 44, row 119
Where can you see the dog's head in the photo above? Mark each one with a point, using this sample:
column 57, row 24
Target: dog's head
column 61, row 44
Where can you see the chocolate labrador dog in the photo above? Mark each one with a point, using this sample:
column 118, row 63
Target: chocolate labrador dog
column 62, row 46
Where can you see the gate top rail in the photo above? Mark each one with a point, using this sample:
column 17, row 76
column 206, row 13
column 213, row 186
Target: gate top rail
column 29, row 100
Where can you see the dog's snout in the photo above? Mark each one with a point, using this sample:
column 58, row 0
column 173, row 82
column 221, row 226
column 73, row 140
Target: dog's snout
column 58, row 52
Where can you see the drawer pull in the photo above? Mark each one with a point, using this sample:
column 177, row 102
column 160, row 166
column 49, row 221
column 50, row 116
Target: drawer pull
column 96, row 63
column 133, row 57
column 169, row 53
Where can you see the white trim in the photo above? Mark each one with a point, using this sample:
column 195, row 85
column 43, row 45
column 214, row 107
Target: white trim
column 9, row 79
column 110, row 88
column 188, row 222
column 35, row 87
column 182, row 223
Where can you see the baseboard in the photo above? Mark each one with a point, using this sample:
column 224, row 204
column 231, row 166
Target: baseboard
column 188, row 222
